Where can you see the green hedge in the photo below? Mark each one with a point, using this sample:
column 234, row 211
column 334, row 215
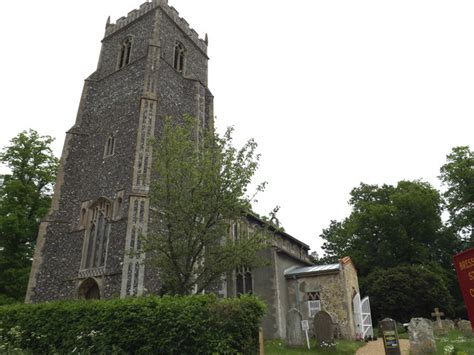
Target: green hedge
column 147, row 325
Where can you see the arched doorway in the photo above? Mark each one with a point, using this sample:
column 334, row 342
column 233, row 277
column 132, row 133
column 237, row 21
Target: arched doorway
column 89, row 290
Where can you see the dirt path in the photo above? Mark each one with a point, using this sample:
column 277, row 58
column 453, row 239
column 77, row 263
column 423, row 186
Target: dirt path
column 376, row 348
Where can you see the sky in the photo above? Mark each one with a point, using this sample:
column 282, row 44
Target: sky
column 335, row 92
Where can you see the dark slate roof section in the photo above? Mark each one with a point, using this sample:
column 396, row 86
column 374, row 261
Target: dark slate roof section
column 313, row 270
column 258, row 220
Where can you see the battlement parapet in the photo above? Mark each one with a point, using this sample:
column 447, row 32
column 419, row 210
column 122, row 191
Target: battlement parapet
column 111, row 28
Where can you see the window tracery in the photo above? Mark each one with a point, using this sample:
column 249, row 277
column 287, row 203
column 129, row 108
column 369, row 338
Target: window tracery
column 179, row 57
column 97, row 232
column 125, row 52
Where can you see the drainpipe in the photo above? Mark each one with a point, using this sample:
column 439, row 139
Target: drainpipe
column 297, row 289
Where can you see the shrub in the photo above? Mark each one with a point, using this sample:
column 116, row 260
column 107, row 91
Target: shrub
column 167, row 325
column 407, row 291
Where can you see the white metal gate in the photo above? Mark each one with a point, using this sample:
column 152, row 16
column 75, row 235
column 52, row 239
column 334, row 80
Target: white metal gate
column 357, row 315
column 367, row 329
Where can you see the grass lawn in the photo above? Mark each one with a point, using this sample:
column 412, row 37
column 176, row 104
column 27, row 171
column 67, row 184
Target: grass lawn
column 343, row 347
column 459, row 344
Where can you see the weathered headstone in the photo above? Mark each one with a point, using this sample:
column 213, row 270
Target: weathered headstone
column 465, row 328
column 391, row 343
column 448, row 324
column 294, row 333
column 324, row 329
column 420, row 333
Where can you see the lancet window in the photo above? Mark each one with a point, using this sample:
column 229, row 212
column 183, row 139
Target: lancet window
column 179, row 57
column 125, row 52
column 109, row 146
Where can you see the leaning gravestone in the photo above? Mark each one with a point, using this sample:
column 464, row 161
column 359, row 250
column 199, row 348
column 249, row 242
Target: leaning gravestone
column 294, row 333
column 422, row 341
column 465, row 328
column 324, row 329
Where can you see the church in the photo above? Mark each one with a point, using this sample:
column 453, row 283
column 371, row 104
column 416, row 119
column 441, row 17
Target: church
column 152, row 65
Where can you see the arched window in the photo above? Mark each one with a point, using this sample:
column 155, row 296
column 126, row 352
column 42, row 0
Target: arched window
column 109, row 146
column 243, row 280
column 179, row 56
column 89, row 290
column 125, row 51
column 95, row 241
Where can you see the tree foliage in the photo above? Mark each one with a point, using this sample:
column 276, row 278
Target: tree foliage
column 458, row 176
column 25, row 197
column 391, row 225
column 392, row 233
column 200, row 188
column 407, row 291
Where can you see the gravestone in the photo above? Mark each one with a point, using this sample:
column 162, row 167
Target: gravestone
column 438, row 324
column 465, row 328
column 391, row 342
column 422, row 340
column 324, row 329
column 294, row 333
column 448, row 324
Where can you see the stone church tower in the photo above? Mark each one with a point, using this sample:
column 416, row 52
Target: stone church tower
column 152, row 65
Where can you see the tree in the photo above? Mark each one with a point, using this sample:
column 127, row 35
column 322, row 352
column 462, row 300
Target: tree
column 407, row 291
column 25, row 197
column 200, row 187
column 394, row 226
column 389, row 226
column 458, row 176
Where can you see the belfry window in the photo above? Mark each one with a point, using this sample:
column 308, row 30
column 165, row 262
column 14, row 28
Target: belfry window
column 125, row 51
column 179, row 56
column 243, row 280
column 95, row 241
column 109, row 146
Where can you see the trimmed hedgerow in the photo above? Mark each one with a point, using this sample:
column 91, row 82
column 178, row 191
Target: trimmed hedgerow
column 146, row 325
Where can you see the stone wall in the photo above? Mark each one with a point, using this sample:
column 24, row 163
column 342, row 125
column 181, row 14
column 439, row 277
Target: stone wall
column 335, row 290
column 127, row 103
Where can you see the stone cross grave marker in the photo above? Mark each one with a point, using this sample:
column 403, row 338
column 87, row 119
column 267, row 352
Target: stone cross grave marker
column 323, row 329
column 437, row 314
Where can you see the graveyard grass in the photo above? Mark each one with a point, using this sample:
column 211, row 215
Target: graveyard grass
column 455, row 343
column 343, row 347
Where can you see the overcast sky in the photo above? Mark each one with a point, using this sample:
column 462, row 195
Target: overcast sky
column 335, row 92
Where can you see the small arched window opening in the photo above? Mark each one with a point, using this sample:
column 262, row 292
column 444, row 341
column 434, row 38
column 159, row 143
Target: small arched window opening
column 125, row 52
column 109, row 146
column 179, row 56
column 89, row 290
